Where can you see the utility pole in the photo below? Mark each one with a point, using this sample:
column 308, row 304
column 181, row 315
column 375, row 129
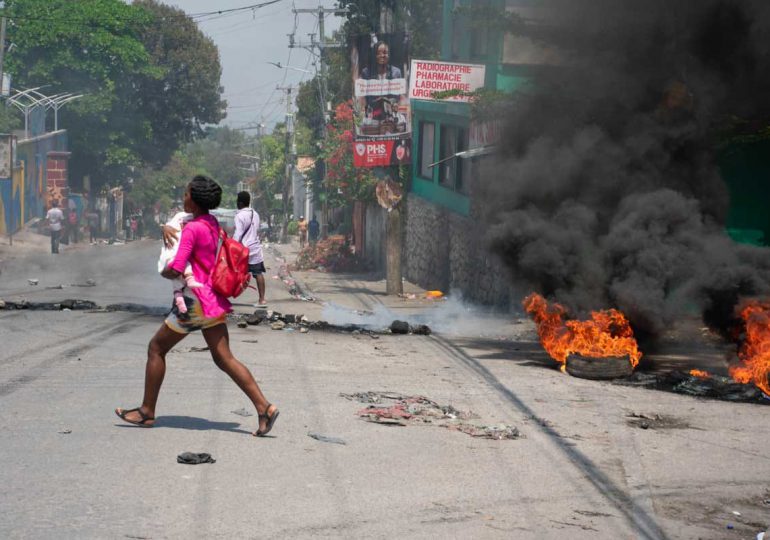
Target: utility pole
column 2, row 52
column 321, row 45
column 291, row 155
column 393, row 281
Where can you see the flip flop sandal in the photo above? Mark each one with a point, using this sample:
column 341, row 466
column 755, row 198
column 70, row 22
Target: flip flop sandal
column 270, row 421
column 141, row 423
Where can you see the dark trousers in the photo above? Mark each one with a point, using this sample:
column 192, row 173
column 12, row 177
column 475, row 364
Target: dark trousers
column 55, row 235
column 92, row 231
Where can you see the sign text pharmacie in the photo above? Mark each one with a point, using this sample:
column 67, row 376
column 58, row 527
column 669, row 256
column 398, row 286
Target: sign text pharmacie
column 428, row 77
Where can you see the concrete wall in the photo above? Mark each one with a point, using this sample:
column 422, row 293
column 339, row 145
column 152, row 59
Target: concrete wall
column 26, row 196
column 445, row 251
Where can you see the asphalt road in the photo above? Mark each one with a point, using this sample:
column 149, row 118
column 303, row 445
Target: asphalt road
column 71, row 469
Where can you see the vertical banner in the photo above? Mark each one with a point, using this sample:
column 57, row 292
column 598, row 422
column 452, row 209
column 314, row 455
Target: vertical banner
column 382, row 115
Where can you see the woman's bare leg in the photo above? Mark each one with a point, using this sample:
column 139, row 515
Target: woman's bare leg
column 162, row 342
column 218, row 340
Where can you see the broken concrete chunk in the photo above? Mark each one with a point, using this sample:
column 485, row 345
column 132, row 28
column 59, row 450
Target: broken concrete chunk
column 2, row 304
column 278, row 325
column 399, row 327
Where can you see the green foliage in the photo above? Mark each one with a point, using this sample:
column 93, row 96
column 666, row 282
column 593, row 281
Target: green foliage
column 188, row 93
column 8, row 119
column 292, row 228
column 149, row 76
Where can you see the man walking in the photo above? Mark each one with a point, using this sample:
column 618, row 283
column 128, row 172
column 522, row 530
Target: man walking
column 55, row 217
column 302, row 228
column 313, row 228
column 247, row 233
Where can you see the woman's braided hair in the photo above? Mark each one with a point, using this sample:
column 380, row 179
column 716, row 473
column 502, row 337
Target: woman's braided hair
column 205, row 192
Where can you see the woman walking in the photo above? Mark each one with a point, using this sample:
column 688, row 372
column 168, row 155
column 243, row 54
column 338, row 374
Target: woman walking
column 206, row 311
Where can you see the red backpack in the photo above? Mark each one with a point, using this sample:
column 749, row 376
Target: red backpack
column 230, row 275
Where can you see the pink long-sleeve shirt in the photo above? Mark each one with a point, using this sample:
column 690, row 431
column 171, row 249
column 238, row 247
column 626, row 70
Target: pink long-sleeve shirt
column 198, row 246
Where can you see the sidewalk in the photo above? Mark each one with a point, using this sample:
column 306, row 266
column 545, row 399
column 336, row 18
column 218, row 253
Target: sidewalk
column 343, row 298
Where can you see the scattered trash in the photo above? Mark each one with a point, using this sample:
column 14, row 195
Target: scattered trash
column 655, row 421
column 409, row 296
column 2, row 304
column 304, row 330
column 88, row 283
column 278, row 325
column 65, row 431
column 33, row 281
column 190, row 349
column 393, row 409
column 243, row 412
column 730, row 526
column 242, row 324
column 736, row 513
column 55, row 287
column 249, row 341
column 761, row 536
column 254, row 320
column 325, row 438
column 399, row 327
column 332, row 254
column 191, row 458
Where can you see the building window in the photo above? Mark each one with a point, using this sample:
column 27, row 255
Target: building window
column 427, row 138
column 454, row 171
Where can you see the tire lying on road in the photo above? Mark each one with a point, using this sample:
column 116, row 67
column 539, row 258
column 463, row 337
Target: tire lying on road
column 609, row 367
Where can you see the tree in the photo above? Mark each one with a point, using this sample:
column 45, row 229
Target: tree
column 87, row 47
column 187, row 95
column 150, row 78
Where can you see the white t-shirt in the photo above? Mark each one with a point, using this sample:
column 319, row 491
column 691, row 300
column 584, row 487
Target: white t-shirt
column 55, row 216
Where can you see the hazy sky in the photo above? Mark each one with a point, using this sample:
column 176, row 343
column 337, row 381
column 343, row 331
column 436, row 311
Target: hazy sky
column 247, row 41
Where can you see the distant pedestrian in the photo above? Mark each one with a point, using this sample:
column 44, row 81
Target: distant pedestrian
column 55, row 217
column 302, row 228
column 73, row 226
column 207, row 312
column 313, row 230
column 139, row 227
column 133, row 224
column 247, row 233
column 93, row 224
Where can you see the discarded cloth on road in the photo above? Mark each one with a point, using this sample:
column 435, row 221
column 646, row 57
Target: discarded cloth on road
column 191, row 458
column 390, row 408
column 711, row 386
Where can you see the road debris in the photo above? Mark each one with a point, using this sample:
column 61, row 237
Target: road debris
column 65, row 431
column 714, row 387
column 399, row 327
column 278, row 325
column 243, row 412
column 655, row 421
column 325, row 438
column 191, row 458
column 33, row 281
column 390, row 408
column 189, row 349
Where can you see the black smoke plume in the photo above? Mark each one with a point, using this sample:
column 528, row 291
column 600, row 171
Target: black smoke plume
column 607, row 191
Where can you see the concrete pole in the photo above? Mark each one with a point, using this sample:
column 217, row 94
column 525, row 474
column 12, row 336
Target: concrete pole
column 393, row 279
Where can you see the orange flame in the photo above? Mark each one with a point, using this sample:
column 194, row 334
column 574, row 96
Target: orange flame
column 700, row 373
column 755, row 350
column 606, row 334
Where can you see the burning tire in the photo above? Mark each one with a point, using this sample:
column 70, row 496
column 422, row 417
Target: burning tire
column 610, row 367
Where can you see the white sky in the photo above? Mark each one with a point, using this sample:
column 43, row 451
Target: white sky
column 247, row 41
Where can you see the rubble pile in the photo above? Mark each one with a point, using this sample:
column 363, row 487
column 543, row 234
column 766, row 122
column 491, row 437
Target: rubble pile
column 330, row 255
column 70, row 304
column 391, row 408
